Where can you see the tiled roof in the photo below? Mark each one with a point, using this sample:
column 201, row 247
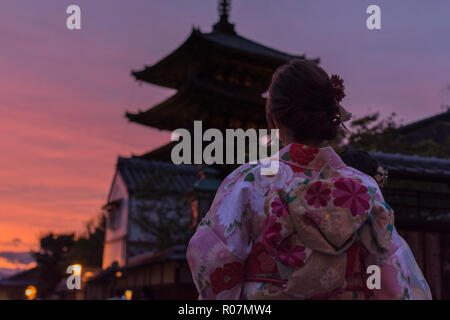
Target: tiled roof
column 415, row 165
column 243, row 44
column 154, row 175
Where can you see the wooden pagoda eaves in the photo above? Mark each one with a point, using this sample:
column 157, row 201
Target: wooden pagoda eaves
column 221, row 53
column 216, row 107
column 219, row 76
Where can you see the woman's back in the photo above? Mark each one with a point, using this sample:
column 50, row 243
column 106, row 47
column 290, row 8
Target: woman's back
column 254, row 243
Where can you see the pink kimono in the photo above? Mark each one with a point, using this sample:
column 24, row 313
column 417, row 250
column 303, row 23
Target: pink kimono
column 317, row 229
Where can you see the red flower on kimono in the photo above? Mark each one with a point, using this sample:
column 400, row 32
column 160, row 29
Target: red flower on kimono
column 259, row 260
column 271, row 234
column 279, row 208
column 292, row 256
column 226, row 277
column 296, row 169
column 318, row 194
column 352, row 195
column 302, row 154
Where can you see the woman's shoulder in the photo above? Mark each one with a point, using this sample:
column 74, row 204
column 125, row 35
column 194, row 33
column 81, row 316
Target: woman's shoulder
column 266, row 168
column 365, row 179
column 257, row 176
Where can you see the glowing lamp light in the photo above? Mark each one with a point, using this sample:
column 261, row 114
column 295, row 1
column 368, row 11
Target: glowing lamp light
column 118, row 274
column 30, row 292
column 128, row 294
column 77, row 269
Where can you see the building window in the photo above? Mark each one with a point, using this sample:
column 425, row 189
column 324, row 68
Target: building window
column 113, row 216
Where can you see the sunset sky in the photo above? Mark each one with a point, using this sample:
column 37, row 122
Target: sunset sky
column 63, row 94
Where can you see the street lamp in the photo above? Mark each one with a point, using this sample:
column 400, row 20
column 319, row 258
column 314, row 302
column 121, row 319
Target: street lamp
column 30, row 292
column 77, row 269
column 128, row 294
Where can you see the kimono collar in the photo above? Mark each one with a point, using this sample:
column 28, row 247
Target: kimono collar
column 301, row 155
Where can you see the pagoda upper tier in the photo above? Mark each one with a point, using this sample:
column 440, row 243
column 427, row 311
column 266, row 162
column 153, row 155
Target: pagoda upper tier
column 219, row 57
column 220, row 78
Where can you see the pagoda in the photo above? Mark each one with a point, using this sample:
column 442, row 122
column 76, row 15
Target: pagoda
column 220, row 78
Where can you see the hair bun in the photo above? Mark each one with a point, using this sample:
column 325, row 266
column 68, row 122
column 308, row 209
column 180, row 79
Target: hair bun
column 303, row 98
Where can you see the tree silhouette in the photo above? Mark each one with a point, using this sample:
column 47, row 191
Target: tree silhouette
column 164, row 214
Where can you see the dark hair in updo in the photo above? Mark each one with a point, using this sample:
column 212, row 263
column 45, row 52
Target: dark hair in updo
column 360, row 160
column 302, row 99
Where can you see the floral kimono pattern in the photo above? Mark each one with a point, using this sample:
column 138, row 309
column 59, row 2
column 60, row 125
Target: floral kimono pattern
column 307, row 232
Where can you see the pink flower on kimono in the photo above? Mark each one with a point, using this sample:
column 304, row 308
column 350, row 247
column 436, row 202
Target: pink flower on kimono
column 271, row 234
column 226, row 277
column 352, row 195
column 318, row 194
column 217, row 254
column 278, row 207
column 292, row 256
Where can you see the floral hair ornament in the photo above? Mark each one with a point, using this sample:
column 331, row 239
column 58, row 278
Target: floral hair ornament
column 339, row 94
column 381, row 176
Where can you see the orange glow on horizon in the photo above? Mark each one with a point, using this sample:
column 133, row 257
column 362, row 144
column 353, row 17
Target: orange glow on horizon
column 6, row 264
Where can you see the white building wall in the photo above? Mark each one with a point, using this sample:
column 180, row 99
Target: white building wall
column 116, row 233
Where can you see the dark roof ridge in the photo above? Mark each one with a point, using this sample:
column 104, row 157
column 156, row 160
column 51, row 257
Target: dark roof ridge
column 418, row 123
column 411, row 157
column 156, row 163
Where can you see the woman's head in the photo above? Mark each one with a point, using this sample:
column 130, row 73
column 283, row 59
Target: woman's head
column 302, row 102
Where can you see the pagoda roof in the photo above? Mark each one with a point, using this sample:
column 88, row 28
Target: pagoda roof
column 160, row 154
column 175, row 68
column 237, row 42
column 216, row 107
